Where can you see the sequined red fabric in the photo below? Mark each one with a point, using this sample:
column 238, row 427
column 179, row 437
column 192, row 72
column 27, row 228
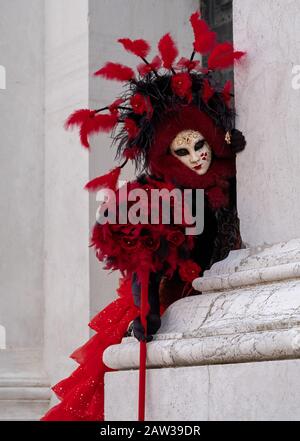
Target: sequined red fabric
column 147, row 246
column 82, row 393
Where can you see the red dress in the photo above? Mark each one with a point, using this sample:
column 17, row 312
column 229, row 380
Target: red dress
column 126, row 248
column 82, row 393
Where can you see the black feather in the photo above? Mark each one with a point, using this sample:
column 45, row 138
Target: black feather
column 162, row 98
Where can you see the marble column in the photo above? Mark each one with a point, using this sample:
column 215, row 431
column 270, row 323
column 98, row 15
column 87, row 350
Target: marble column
column 268, row 109
column 66, row 264
column 232, row 353
column 24, row 387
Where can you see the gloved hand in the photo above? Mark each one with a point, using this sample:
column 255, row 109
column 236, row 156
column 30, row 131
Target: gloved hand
column 153, row 317
column 238, row 141
column 153, row 325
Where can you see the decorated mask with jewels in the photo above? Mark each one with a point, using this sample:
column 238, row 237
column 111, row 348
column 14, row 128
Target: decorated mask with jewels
column 191, row 148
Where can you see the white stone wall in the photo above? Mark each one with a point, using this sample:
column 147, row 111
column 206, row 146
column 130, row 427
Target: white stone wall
column 66, row 275
column 22, row 172
column 226, row 392
column 268, row 109
column 24, row 389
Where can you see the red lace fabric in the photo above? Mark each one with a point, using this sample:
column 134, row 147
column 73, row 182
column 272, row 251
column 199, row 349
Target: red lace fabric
column 82, row 393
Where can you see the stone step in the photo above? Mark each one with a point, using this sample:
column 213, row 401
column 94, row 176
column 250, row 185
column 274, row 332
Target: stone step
column 24, row 386
column 23, row 403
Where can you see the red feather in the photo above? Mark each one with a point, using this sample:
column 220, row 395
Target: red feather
column 131, row 152
column 195, row 19
column 156, row 62
column 188, row 64
column 115, row 71
column 90, row 123
column 131, row 127
column 217, row 197
column 206, row 43
column 223, row 56
column 168, row 50
column 100, row 123
column 144, row 69
column 103, row 123
column 83, row 133
column 205, row 39
column 226, row 92
column 208, row 91
column 78, row 117
column 109, row 180
column 81, row 118
column 139, row 47
column 114, row 107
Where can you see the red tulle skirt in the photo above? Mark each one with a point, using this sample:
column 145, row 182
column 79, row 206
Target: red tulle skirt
column 82, row 393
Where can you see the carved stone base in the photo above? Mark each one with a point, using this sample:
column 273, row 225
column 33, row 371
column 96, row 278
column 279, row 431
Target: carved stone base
column 268, row 390
column 248, row 312
column 24, row 387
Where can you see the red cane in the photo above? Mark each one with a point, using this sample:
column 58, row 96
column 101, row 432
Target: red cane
column 143, row 345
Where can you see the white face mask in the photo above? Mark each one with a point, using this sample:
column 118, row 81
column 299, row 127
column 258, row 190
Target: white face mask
column 192, row 150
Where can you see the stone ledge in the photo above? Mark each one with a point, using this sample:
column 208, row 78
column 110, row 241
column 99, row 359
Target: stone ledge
column 250, row 322
column 230, row 348
column 24, row 386
column 25, row 392
column 252, row 266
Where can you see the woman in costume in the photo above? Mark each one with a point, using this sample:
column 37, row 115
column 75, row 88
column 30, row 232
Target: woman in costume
column 175, row 121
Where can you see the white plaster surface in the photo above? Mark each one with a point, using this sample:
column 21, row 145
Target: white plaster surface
column 24, row 387
column 66, row 274
column 22, row 172
column 268, row 114
column 264, row 391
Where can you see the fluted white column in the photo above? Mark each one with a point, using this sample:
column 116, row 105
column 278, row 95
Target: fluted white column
column 268, row 113
column 24, row 387
column 66, row 274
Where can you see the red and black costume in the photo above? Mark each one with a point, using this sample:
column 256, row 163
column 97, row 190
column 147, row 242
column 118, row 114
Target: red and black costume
column 167, row 96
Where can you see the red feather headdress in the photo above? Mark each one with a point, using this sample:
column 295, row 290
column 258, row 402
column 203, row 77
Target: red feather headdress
column 161, row 87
